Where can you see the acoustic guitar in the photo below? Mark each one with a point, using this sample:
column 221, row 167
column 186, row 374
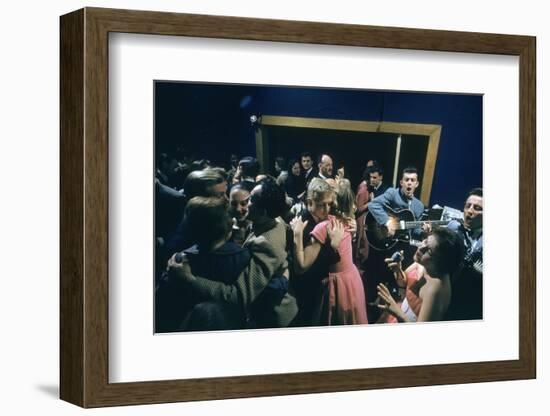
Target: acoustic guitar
column 404, row 221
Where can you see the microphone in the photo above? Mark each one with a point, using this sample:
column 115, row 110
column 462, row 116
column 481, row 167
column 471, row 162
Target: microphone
column 397, row 257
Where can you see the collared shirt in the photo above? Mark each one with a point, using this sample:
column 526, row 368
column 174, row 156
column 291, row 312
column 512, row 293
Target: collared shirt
column 395, row 199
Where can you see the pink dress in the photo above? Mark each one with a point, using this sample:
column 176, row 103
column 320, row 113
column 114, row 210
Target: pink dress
column 342, row 300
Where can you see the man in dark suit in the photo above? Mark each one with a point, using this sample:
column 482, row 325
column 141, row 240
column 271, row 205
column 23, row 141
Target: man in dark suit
column 308, row 171
column 371, row 187
column 376, row 183
column 325, row 167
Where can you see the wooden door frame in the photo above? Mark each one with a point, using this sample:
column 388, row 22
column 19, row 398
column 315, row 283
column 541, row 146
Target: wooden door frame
column 433, row 131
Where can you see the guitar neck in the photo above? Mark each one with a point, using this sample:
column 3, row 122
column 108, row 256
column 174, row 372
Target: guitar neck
column 407, row 225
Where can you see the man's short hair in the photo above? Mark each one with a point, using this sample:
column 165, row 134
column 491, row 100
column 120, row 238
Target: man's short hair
column 320, row 157
column 409, row 169
column 317, row 189
column 218, row 169
column 450, row 250
column 372, row 169
column 376, row 168
column 198, row 182
column 250, row 166
column 306, row 154
column 476, row 192
column 272, row 198
column 207, row 220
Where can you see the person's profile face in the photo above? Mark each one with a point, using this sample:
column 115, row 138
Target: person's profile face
column 320, row 208
column 296, row 169
column 426, row 253
column 409, row 183
column 473, row 212
column 253, row 211
column 306, row 163
column 218, row 191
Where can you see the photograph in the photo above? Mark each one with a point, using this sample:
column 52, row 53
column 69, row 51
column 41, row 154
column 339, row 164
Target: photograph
column 301, row 194
column 280, row 206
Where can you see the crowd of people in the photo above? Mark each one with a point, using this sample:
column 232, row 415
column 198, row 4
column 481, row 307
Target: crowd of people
column 239, row 248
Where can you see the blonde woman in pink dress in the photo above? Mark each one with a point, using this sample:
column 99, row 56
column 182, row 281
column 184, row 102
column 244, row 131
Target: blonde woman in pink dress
column 341, row 300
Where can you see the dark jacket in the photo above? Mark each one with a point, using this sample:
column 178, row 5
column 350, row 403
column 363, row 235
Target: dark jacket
column 267, row 262
column 173, row 301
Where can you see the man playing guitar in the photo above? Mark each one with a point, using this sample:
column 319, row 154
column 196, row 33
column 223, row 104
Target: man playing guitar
column 398, row 198
column 403, row 197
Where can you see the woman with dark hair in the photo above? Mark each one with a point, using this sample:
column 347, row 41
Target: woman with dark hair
column 293, row 182
column 279, row 166
column 427, row 280
column 261, row 288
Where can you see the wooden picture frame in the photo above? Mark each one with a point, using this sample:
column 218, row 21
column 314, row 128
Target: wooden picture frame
column 84, row 207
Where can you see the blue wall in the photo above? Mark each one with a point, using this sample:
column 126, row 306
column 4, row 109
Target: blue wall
column 214, row 121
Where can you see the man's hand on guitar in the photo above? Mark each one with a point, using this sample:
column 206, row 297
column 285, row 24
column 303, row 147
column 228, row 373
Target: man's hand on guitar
column 392, row 227
column 427, row 227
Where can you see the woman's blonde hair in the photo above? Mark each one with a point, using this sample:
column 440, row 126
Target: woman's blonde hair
column 345, row 200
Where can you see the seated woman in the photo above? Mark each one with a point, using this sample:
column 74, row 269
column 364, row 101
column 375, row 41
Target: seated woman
column 427, row 280
column 260, row 290
column 213, row 256
column 341, row 299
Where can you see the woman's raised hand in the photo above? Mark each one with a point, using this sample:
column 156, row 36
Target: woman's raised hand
column 298, row 225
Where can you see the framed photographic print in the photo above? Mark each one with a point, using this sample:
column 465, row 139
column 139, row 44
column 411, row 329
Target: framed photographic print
column 197, row 150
